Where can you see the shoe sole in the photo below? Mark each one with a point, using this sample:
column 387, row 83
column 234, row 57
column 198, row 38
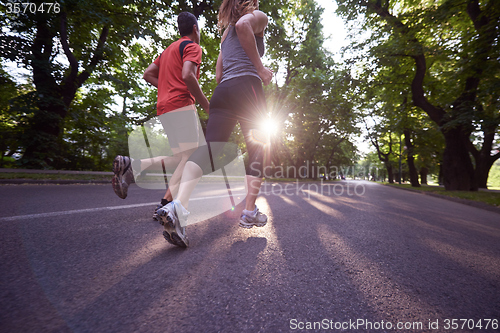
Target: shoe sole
column 118, row 164
column 155, row 215
column 251, row 225
column 118, row 187
column 170, row 233
column 117, row 181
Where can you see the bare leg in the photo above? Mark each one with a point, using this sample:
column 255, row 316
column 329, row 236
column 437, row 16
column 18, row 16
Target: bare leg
column 190, row 178
column 169, row 162
column 155, row 163
column 192, row 174
column 175, row 181
column 177, row 161
column 253, row 186
column 184, row 151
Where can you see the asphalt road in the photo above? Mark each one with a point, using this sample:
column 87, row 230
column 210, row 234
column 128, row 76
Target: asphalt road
column 364, row 257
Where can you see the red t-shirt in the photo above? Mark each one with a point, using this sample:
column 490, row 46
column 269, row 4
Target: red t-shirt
column 172, row 91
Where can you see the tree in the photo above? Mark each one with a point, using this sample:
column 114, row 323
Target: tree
column 63, row 48
column 383, row 143
column 89, row 53
column 453, row 47
column 309, row 99
column 8, row 132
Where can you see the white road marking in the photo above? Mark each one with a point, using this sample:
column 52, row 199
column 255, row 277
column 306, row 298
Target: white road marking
column 91, row 210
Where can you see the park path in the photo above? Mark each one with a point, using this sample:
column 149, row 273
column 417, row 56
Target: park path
column 359, row 255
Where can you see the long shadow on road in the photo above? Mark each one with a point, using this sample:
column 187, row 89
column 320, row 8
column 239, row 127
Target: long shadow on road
column 413, row 258
column 387, row 255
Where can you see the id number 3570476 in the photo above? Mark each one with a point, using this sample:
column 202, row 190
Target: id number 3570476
column 33, row 8
column 471, row 324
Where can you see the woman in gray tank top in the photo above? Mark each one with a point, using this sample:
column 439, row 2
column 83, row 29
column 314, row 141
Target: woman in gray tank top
column 239, row 97
column 239, row 72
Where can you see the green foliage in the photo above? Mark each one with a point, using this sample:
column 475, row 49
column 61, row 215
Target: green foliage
column 86, row 92
column 442, row 56
column 310, row 99
column 494, row 177
column 487, row 197
column 8, row 131
column 86, row 39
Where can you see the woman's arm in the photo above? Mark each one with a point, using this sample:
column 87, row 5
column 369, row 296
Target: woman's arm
column 246, row 28
column 218, row 68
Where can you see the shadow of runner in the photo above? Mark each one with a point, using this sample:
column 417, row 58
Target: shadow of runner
column 315, row 287
column 224, row 294
column 101, row 273
column 409, row 263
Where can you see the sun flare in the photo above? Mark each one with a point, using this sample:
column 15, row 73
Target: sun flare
column 269, row 126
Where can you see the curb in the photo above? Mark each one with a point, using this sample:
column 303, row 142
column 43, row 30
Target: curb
column 7, row 170
column 21, row 181
column 472, row 203
column 50, row 181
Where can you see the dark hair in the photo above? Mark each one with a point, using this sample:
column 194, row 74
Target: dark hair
column 185, row 22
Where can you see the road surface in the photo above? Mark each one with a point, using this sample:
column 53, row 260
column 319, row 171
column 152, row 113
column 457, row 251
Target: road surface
column 356, row 256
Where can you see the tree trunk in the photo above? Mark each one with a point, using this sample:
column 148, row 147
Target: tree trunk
column 483, row 166
column 312, row 172
column 483, row 158
column 390, row 175
column 458, row 171
column 43, row 146
column 397, row 179
column 411, row 160
column 423, row 175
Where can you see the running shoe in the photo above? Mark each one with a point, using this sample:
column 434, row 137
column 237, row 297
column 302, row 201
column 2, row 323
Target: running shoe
column 123, row 175
column 169, row 218
column 155, row 214
column 251, row 219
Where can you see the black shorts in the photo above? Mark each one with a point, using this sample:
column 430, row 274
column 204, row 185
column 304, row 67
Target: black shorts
column 240, row 100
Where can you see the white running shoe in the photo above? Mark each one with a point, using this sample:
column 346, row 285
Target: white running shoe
column 250, row 219
column 169, row 217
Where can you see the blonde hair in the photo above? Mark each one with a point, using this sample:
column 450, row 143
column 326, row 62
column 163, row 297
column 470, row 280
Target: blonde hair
column 232, row 10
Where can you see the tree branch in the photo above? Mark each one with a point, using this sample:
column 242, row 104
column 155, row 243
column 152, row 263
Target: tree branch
column 474, row 11
column 99, row 50
column 41, row 50
column 71, row 57
column 417, row 85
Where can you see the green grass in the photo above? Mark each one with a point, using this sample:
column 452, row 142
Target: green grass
column 490, row 198
column 494, row 176
column 297, row 180
column 94, row 177
column 52, row 176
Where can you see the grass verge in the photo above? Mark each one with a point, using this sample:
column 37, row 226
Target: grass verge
column 53, row 176
column 93, row 177
column 293, row 180
column 490, row 198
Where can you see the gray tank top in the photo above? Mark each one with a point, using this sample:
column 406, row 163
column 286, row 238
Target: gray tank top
column 235, row 62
